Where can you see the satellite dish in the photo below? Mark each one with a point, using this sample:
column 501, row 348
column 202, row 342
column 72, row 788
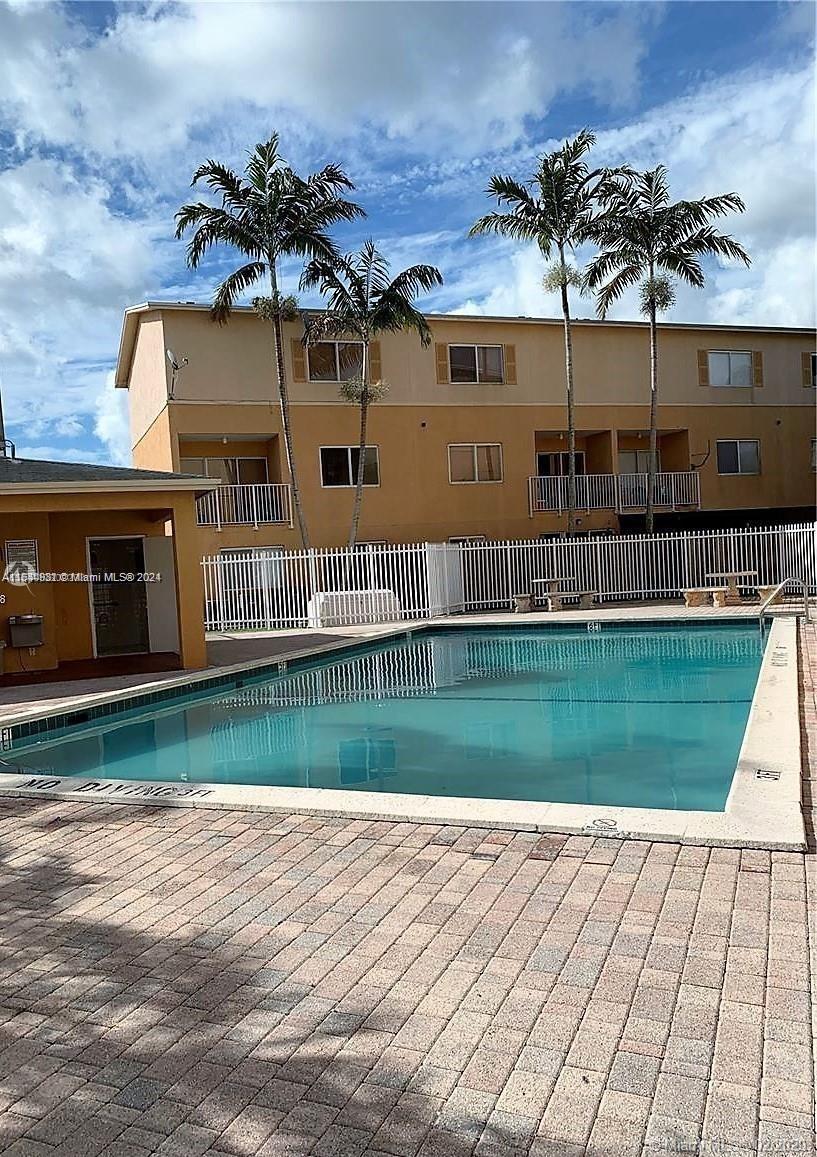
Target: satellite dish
column 175, row 366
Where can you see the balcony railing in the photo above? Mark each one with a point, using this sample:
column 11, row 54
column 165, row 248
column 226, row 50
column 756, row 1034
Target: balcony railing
column 620, row 492
column 253, row 504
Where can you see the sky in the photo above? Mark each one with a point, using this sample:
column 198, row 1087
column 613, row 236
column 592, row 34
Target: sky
column 106, row 110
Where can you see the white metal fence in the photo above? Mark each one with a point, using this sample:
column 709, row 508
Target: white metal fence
column 268, row 589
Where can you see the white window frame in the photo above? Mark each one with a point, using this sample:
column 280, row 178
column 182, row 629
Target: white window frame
column 639, row 450
column 352, row 483
column 205, row 458
column 476, row 481
column 730, row 385
column 476, row 347
column 337, row 380
column 738, row 473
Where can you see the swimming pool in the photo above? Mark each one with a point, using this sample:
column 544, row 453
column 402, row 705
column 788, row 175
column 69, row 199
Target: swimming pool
column 649, row 717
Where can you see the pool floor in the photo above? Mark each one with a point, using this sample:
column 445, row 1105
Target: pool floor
column 621, row 716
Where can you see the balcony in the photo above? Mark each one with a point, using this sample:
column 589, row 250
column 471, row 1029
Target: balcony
column 256, row 504
column 623, row 493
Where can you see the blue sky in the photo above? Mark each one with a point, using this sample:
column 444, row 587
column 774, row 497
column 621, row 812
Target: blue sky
column 106, row 110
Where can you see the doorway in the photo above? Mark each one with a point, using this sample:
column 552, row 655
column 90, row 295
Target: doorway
column 557, row 465
column 118, row 604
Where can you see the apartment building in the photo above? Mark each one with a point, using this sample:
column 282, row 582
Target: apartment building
column 471, row 438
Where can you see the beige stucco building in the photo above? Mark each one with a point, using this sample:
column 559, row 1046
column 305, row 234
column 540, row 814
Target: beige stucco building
column 471, row 437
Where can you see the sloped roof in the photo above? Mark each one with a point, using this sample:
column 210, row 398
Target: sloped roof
column 34, row 472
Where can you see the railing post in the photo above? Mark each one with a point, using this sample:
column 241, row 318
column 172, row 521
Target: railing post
column 217, row 496
column 254, row 504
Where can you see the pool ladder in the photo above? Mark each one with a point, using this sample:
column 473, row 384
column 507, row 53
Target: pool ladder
column 775, row 594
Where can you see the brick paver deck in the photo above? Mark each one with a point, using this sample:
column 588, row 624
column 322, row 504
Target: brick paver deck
column 191, row 982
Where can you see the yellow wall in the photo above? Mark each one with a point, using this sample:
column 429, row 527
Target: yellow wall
column 61, row 523
column 228, row 391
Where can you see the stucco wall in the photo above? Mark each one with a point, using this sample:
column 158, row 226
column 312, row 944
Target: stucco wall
column 61, row 524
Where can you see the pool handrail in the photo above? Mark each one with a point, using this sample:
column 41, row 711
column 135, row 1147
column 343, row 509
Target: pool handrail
column 770, row 598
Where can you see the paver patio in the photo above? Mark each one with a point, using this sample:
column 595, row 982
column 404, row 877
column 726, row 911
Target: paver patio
column 191, row 982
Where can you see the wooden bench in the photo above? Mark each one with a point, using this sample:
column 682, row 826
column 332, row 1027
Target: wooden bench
column 586, row 599
column 705, row 596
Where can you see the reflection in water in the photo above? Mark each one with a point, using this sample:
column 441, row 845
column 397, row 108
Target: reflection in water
column 632, row 717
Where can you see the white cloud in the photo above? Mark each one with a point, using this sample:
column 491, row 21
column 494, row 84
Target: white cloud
column 68, row 265
column 111, row 422
column 431, row 69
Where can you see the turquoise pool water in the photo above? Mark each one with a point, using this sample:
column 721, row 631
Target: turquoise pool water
column 647, row 717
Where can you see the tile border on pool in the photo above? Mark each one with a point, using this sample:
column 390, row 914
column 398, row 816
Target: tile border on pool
column 763, row 809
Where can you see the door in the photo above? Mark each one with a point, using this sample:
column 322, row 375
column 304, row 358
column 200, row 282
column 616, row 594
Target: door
column 118, row 601
column 163, row 617
column 557, row 465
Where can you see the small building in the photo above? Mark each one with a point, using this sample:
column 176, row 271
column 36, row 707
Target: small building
column 100, row 569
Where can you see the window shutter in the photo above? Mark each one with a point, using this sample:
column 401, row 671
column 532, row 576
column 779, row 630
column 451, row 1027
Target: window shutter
column 442, row 363
column 375, row 369
column 757, row 367
column 298, row 361
column 703, row 367
column 510, row 364
column 808, row 381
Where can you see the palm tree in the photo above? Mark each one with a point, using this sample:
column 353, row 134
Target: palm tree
column 267, row 214
column 363, row 301
column 648, row 240
column 556, row 209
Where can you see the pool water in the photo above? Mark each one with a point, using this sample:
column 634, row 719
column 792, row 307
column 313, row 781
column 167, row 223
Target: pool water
column 642, row 717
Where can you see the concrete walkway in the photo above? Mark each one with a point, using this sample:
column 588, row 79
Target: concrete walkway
column 188, row 983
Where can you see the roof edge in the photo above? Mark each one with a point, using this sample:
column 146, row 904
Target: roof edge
column 193, row 306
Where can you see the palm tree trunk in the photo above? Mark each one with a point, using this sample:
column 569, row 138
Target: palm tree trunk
column 571, row 415
column 361, row 462
column 283, row 394
column 653, row 463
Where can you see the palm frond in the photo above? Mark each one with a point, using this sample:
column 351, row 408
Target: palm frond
column 233, row 286
column 612, row 290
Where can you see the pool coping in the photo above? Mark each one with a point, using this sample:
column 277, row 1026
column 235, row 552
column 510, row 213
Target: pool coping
column 763, row 808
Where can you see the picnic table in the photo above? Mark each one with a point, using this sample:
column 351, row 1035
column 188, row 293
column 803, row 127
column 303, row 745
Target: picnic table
column 731, row 578
column 551, row 585
column 556, row 591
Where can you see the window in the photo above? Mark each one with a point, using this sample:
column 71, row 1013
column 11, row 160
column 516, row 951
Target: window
column 231, row 471
column 465, row 539
column 339, row 466
column 558, row 465
column 814, row 454
column 814, row 369
column 636, row 461
column 739, row 457
column 468, row 462
column 476, row 363
column 335, row 361
column 730, row 368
